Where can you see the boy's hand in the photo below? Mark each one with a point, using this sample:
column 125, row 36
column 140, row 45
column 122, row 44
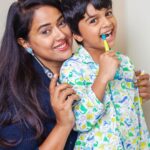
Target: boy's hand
column 143, row 83
column 109, row 63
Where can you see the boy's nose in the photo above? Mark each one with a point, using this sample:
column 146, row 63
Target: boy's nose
column 58, row 34
column 106, row 22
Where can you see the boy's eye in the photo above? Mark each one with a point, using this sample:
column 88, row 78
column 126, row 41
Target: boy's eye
column 109, row 13
column 93, row 20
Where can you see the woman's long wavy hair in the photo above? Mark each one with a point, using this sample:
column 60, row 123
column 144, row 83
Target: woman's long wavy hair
column 18, row 79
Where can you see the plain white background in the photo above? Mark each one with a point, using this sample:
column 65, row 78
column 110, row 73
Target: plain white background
column 133, row 33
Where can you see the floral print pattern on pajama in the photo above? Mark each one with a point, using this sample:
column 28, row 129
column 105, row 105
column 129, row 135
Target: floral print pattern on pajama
column 116, row 123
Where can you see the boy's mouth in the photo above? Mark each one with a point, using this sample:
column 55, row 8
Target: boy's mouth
column 108, row 34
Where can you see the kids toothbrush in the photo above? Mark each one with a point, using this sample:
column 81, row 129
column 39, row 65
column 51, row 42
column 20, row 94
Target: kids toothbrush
column 106, row 50
column 105, row 42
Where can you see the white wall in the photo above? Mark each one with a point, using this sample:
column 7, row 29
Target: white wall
column 119, row 12
column 4, row 5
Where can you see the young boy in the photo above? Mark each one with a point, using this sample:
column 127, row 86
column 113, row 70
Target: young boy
column 109, row 114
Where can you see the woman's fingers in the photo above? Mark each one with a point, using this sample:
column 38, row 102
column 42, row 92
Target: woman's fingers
column 144, row 94
column 62, row 97
column 57, row 90
column 143, row 83
column 70, row 99
column 66, row 93
column 60, row 93
column 143, row 80
column 137, row 72
column 53, row 84
column 143, row 90
column 143, row 77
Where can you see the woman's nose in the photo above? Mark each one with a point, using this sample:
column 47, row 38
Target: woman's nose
column 58, row 34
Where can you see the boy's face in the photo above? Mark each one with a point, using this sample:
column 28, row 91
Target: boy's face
column 95, row 23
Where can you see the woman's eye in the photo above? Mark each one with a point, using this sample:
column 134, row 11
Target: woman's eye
column 46, row 32
column 62, row 23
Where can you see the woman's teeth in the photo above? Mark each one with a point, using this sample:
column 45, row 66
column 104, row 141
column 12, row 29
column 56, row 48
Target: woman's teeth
column 62, row 46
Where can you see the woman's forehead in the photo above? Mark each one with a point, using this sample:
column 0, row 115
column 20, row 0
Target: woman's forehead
column 46, row 15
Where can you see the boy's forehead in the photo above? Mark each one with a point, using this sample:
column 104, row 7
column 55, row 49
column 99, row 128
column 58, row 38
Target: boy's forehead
column 90, row 11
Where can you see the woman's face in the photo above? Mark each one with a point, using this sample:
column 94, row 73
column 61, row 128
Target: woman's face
column 50, row 37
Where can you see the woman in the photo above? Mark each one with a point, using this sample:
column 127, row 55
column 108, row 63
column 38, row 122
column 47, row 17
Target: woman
column 35, row 43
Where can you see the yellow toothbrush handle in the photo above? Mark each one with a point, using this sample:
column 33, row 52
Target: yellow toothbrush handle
column 106, row 46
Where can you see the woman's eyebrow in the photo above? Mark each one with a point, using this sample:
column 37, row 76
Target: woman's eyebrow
column 49, row 24
column 59, row 18
column 44, row 25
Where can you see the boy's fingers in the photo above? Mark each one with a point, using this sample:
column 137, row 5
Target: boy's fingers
column 112, row 53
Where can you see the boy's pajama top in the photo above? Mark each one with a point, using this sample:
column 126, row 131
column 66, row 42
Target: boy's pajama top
column 114, row 123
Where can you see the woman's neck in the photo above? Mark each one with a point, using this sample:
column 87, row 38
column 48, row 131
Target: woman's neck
column 54, row 66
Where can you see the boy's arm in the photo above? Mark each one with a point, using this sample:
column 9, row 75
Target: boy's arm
column 109, row 64
column 99, row 87
column 89, row 109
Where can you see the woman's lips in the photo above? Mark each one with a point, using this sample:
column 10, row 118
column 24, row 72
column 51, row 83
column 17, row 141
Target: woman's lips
column 62, row 47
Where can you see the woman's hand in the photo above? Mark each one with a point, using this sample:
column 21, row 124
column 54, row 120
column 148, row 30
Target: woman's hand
column 62, row 97
column 143, row 83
